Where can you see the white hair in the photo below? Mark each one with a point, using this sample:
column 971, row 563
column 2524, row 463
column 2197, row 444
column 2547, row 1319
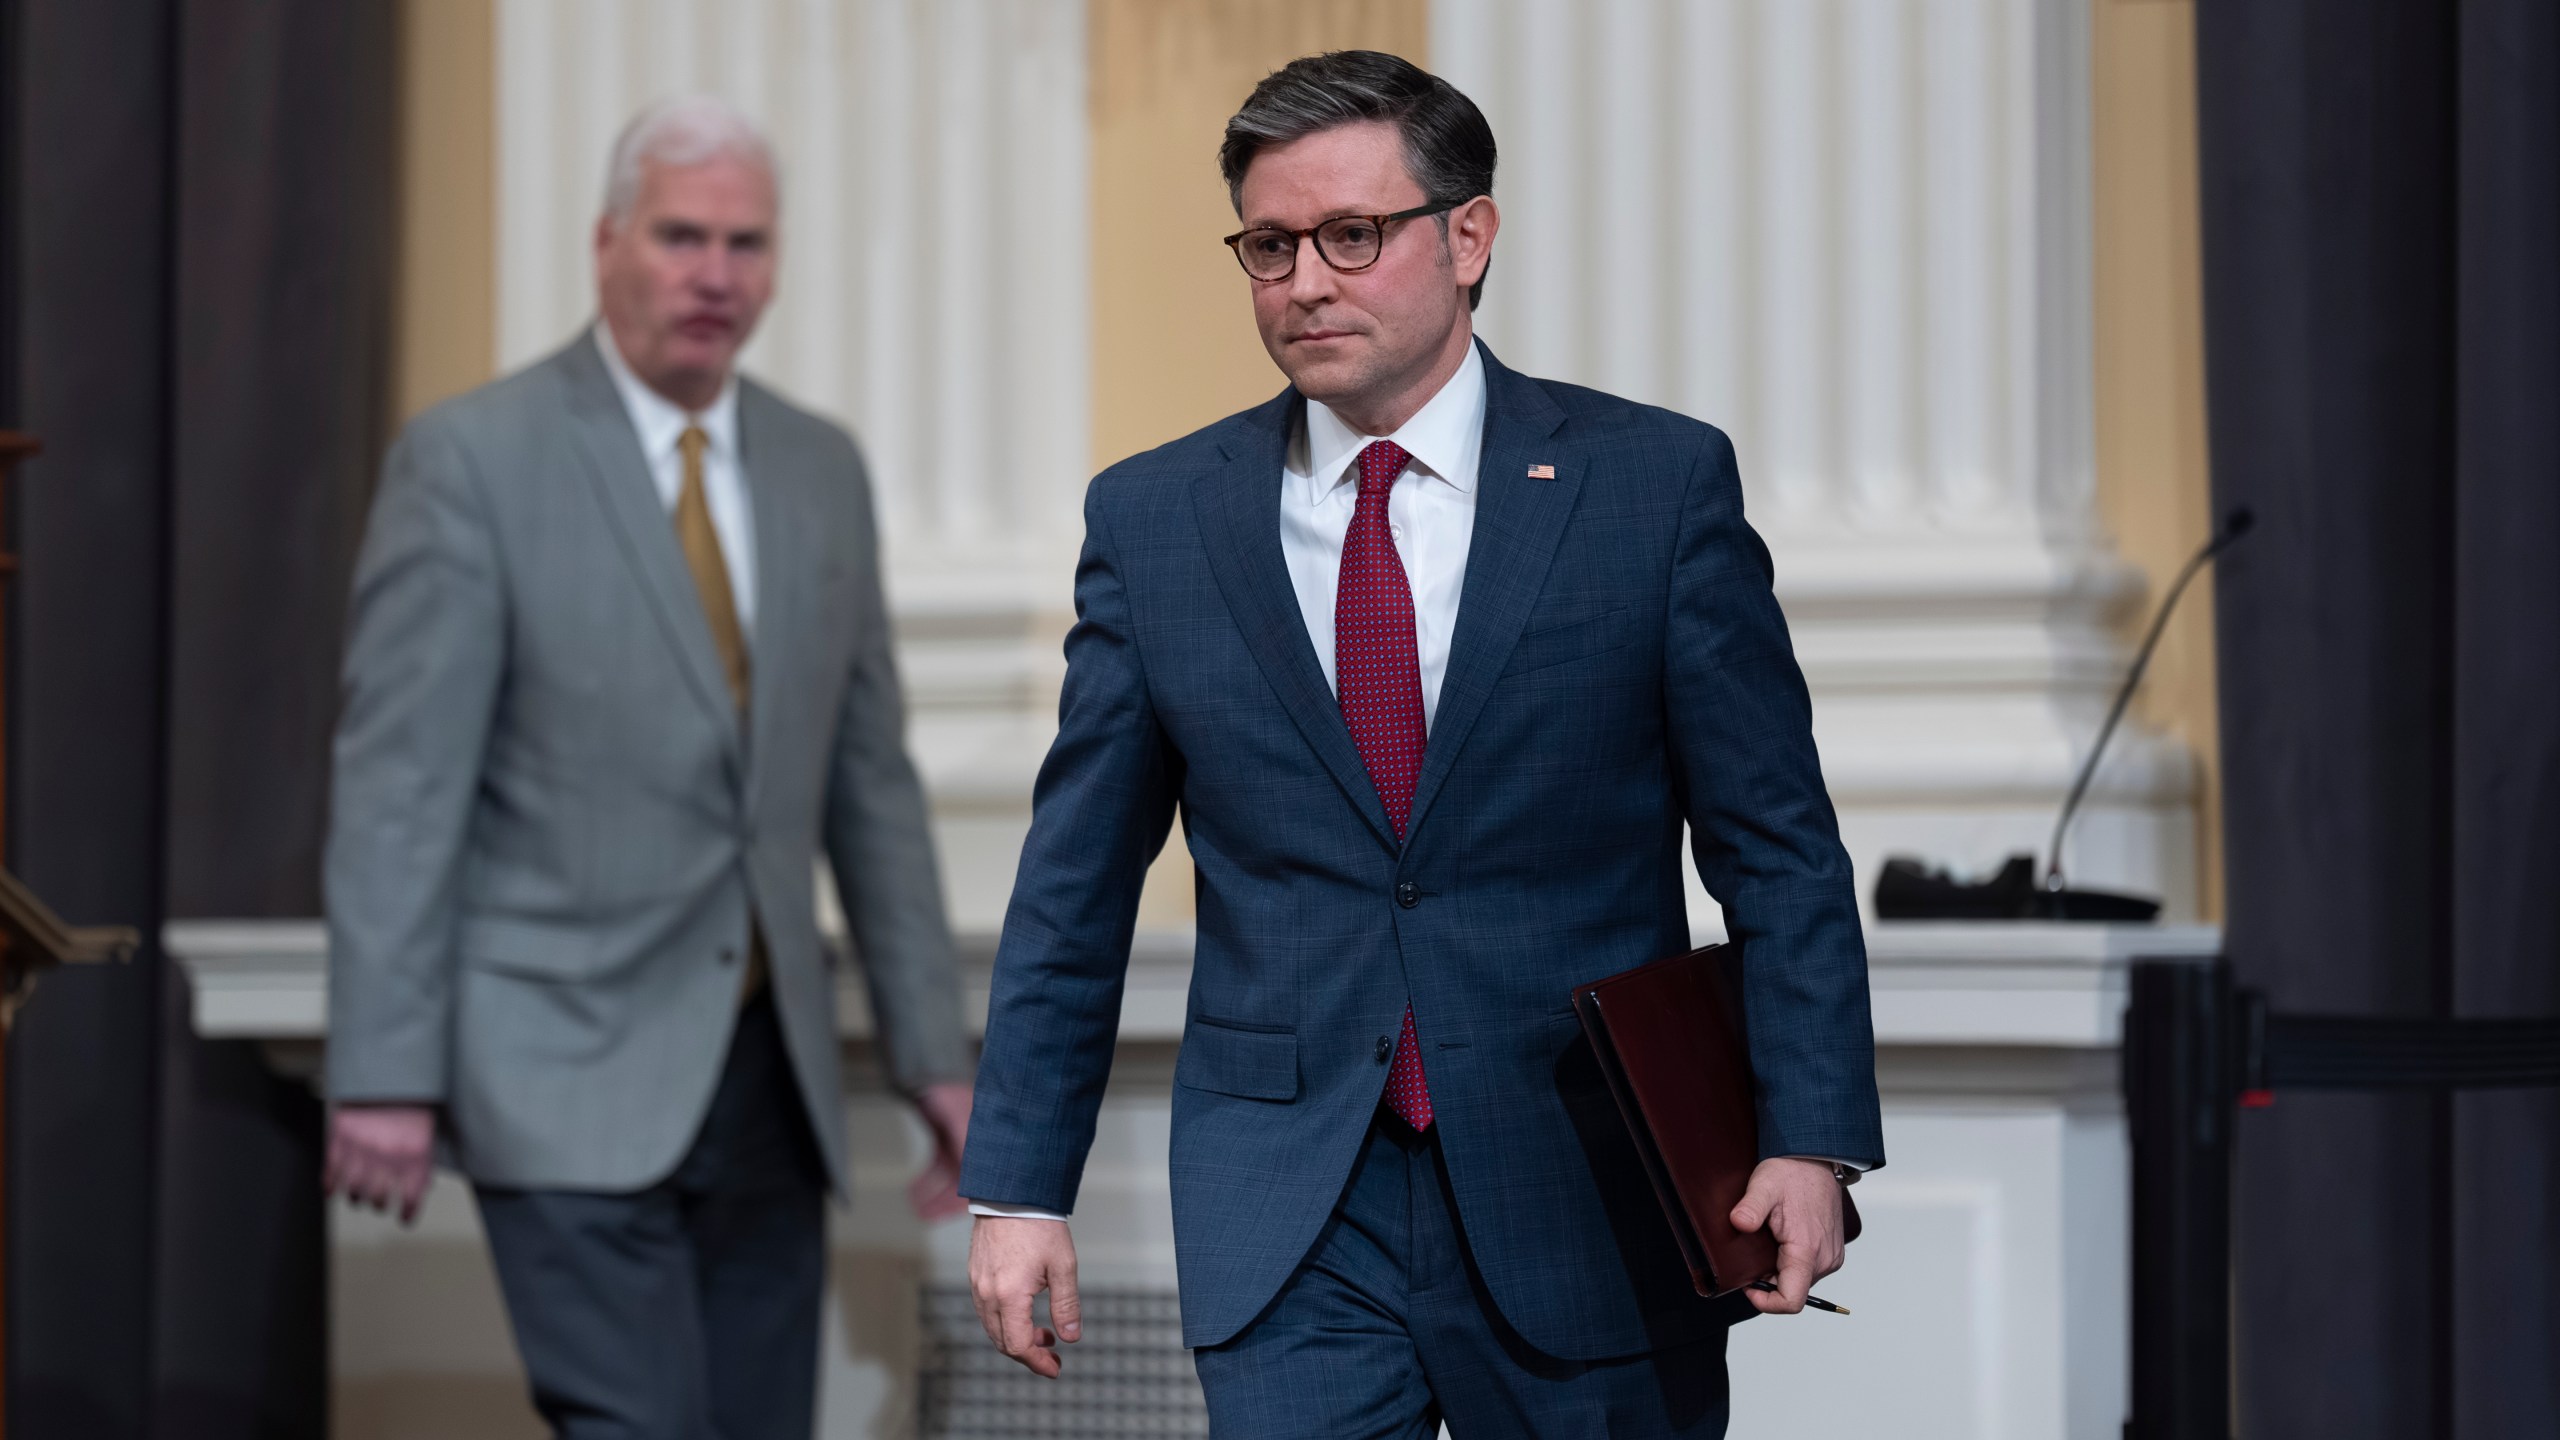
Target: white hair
column 682, row 130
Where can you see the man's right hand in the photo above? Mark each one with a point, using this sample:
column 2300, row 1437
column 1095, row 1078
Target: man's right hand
column 382, row 1155
column 1011, row 1261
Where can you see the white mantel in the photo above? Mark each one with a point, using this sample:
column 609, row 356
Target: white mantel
column 1990, row 1289
column 1960, row 985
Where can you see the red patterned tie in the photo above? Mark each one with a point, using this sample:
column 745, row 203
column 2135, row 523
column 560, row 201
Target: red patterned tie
column 1378, row 678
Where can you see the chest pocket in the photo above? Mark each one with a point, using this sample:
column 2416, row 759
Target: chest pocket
column 1562, row 644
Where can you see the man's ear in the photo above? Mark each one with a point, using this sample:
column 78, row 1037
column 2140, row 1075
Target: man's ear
column 1471, row 231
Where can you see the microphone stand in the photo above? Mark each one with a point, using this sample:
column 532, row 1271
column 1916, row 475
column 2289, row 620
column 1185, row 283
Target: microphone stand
column 2234, row 525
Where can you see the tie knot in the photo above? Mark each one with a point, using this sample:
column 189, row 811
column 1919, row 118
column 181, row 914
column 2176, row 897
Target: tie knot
column 1381, row 463
column 692, row 443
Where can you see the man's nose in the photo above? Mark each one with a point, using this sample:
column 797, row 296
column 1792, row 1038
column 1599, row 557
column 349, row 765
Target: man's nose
column 717, row 273
column 1312, row 281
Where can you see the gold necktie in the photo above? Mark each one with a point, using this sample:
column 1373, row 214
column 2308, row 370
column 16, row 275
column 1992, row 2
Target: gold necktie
column 710, row 571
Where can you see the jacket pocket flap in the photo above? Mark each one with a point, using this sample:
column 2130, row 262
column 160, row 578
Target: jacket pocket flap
column 525, row 947
column 1255, row 1064
column 1569, row 641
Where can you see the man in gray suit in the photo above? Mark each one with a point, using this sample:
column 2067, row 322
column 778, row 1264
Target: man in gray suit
column 619, row 667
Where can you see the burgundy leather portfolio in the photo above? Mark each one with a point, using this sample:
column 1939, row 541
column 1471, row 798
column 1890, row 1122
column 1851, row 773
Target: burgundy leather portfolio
column 1671, row 1040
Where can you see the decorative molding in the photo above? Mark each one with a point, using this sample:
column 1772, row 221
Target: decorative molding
column 1980, row 986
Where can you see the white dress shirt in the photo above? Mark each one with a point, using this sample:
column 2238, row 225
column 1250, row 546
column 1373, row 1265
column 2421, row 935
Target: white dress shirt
column 660, row 422
column 1431, row 516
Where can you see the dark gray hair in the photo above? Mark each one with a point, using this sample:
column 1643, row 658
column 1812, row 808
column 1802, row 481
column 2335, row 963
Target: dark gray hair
column 1448, row 147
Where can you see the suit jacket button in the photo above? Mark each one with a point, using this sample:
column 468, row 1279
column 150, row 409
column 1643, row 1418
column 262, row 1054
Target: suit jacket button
column 728, row 957
column 1386, row 1049
column 1408, row 894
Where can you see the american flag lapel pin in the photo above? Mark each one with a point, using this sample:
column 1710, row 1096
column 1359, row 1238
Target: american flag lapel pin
column 1542, row 472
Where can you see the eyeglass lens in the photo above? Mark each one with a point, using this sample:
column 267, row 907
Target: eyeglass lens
column 1350, row 242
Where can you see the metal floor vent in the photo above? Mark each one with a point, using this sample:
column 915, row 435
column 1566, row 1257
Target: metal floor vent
column 1128, row 1379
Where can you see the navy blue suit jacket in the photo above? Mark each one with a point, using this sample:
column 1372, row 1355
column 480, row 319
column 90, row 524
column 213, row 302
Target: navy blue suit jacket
column 1618, row 667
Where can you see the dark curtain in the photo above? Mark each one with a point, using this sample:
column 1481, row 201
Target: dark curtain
column 2381, row 239
column 199, row 205
column 88, row 619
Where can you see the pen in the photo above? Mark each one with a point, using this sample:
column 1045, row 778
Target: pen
column 1816, row 1301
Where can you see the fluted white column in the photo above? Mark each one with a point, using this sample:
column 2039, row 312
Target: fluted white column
column 1877, row 298
column 956, row 136
column 1711, row 346
column 891, row 263
column 1967, row 246
column 2065, row 473
column 1854, row 234
column 1794, row 210
column 1624, row 104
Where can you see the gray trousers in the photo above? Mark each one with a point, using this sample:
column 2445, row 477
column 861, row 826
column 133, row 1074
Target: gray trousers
column 689, row 1310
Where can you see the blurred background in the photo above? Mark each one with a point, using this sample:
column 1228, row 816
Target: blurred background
column 1940, row 267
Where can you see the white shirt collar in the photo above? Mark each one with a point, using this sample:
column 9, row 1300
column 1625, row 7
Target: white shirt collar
column 1442, row 436
column 660, row 420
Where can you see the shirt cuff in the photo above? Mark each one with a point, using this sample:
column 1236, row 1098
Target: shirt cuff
column 1014, row 1212
column 1833, row 1160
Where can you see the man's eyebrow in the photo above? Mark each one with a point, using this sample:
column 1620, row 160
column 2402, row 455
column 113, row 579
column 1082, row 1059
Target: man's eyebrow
column 1351, row 213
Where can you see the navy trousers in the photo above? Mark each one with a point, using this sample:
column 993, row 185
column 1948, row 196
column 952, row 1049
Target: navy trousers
column 1386, row 1330
column 689, row 1310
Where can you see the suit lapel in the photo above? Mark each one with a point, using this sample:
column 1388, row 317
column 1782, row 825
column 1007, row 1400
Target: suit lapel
column 785, row 568
column 620, row 475
column 1518, row 523
column 1239, row 511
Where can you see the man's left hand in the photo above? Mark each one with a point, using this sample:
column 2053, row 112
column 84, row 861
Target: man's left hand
column 935, row 1194
column 1800, row 1203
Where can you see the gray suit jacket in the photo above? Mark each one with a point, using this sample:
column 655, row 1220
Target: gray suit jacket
column 548, row 833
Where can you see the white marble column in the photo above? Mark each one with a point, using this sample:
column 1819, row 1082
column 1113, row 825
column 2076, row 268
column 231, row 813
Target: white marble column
column 1854, row 234
column 933, row 298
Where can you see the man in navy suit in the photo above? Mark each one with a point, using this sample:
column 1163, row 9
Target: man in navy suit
column 1436, row 661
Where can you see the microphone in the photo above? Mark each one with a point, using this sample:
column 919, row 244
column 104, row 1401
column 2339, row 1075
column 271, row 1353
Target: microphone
column 2237, row 522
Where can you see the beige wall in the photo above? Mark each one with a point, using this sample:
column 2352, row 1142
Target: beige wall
column 445, row 329
column 1173, row 339
column 2152, row 479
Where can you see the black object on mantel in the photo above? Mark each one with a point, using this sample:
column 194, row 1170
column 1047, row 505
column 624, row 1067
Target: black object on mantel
column 1910, row 890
